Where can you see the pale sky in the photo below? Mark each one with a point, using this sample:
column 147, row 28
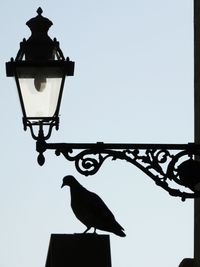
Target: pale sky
column 133, row 83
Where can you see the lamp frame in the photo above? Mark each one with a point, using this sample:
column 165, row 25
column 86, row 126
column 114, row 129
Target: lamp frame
column 67, row 68
column 40, row 51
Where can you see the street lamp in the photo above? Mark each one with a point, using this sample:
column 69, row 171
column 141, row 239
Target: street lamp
column 40, row 70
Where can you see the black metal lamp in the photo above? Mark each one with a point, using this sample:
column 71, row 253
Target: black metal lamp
column 40, row 70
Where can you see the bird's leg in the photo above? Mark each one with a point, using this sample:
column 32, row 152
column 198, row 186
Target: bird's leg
column 88, row 228
column 95, row 231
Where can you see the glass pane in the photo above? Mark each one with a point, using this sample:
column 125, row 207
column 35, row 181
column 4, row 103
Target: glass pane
column 40, row 89
column 40, row 95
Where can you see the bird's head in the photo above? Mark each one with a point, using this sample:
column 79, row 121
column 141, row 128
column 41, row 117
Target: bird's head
column 68, row 180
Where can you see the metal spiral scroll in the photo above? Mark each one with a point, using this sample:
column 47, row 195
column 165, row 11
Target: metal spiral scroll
column 167, row 168
column 88, row 161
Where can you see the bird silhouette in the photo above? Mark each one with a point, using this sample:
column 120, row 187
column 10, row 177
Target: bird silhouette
column 90, row 209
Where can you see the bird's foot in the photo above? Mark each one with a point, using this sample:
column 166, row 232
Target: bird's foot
column 86, row 230
column 95, row 233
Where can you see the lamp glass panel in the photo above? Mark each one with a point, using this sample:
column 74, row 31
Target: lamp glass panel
column 40, row 89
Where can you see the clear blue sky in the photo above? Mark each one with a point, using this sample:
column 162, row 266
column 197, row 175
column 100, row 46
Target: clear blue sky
column 133, row 83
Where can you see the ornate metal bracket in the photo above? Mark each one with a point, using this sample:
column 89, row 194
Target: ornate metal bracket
column 172, row 166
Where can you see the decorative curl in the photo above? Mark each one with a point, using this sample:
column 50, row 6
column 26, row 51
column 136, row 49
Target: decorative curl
column 87, row 162
column 161, row 165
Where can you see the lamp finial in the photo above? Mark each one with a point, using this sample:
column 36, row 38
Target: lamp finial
column 39, row 11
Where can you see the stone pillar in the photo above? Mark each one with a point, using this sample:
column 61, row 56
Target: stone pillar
column 197, row 123
column 79, row 250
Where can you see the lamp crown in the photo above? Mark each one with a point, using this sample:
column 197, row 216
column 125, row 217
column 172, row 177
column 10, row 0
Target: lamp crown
column 39, row 23
column 39, row 46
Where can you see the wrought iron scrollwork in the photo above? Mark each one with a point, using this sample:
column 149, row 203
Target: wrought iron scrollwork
column 87, row 162
column 171, row 166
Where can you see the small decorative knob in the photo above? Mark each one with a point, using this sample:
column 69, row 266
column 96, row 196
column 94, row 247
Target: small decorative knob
column 39, row 11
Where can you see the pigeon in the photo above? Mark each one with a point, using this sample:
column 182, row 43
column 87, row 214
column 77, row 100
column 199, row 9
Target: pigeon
column 90, row 209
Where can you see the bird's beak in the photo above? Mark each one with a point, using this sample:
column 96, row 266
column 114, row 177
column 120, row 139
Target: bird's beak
column 62, row 185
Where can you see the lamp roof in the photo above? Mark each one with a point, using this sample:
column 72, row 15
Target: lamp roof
column 39, row 23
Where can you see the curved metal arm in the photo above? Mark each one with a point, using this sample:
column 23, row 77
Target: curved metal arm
column 166, row 164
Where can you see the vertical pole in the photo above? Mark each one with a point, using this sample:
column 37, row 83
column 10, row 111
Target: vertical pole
column 197, row 123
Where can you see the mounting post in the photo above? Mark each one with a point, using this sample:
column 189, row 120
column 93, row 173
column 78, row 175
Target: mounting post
column 89, row 250
column 197, row 123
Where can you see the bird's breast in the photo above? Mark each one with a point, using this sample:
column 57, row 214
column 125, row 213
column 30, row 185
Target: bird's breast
column 81, row 208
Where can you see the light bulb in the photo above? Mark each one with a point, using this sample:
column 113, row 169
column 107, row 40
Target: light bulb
column 40, row 83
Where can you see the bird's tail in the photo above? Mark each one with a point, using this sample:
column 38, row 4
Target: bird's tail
column 120, row 233
column 118, row 230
